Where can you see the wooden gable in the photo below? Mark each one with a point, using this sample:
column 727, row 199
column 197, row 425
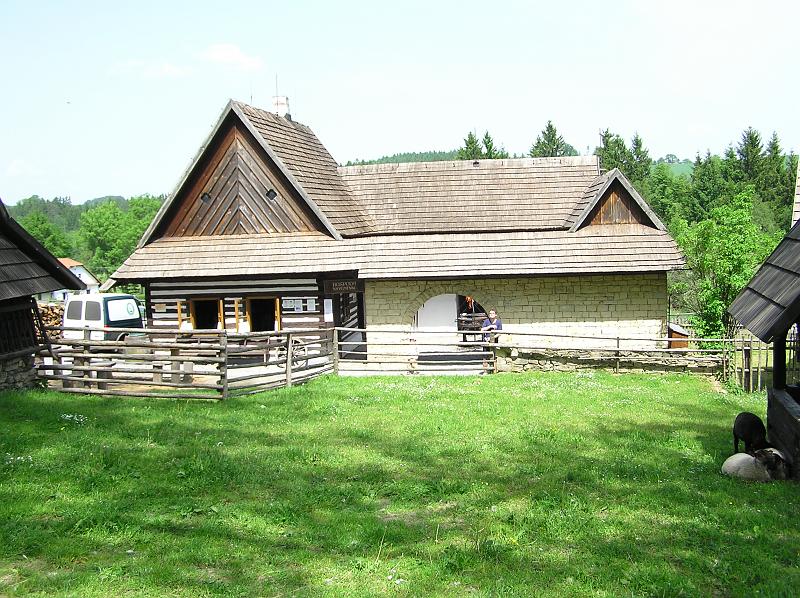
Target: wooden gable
column 236, row 189
column 617, row 206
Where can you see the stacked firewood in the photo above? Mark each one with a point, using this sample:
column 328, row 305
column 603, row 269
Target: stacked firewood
column 52, row 314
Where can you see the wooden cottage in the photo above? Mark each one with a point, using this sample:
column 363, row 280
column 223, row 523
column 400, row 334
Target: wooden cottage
column 264, row 231
column 26, row 269
column 769, row 307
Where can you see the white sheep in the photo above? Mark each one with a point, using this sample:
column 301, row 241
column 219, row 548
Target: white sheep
column 765, row 465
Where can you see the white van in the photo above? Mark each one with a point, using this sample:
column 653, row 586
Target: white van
column 101, row 310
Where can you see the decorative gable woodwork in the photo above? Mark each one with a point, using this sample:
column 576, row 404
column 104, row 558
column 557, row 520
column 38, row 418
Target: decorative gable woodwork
column 618, row 207
column 237, row 191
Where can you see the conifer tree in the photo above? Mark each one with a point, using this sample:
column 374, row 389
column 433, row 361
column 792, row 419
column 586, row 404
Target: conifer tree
column 490, row 151
column 472, row 149
column 638, row 170
column 750, row 152
column 550, row 144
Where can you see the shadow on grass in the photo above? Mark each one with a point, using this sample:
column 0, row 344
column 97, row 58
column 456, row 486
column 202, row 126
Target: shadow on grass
column 338, row 486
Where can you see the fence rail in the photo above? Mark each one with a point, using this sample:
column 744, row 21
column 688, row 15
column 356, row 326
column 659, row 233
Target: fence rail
column 215, row 364
column 744, row 359
column 206, row 365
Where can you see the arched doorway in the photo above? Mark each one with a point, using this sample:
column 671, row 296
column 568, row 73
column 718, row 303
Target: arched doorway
column 447, row 319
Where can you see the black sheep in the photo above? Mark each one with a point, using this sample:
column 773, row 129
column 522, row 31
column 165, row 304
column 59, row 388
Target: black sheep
column 749, row 428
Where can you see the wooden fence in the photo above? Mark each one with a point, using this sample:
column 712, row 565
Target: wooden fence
column 214, row 364
column 744, row 360
column 199, row 364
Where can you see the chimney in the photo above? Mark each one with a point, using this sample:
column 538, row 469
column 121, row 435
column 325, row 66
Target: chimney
column 280, row 106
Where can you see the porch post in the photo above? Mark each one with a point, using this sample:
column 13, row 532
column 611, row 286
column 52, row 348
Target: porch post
column 779, row 361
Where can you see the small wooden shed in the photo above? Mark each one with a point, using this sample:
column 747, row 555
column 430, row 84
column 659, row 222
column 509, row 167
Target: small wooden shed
column 26, row 269
column 769, row 307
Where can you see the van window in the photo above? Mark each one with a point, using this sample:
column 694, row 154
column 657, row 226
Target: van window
column 121, row 309
column 92, row 312
column 74, row 310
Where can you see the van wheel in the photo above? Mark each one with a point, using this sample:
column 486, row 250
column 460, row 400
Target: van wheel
column 122, row 336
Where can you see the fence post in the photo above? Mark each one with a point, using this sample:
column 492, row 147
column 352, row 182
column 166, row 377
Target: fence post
column 747, row 373
column 289, row 358
column 616, row 364
column 86, row 359
column 223, row 366
column 335, row 350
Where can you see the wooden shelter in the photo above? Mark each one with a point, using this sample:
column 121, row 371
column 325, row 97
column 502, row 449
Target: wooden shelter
column 265, row 231
column 769, row 307
column 26, row 269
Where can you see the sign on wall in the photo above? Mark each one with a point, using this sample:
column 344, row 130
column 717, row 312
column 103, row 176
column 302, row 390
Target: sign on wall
column 350, row 285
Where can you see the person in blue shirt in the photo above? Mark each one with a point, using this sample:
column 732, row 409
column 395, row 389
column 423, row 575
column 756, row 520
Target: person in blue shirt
column 490, row 326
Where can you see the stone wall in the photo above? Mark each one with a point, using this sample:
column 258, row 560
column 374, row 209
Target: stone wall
column 17, row 372
column 626, row 305
column 562, row 360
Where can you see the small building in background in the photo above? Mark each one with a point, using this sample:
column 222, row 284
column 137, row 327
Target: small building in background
column 26, row 269
column 81, row 272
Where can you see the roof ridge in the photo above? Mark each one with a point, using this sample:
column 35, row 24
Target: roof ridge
column 469, row 164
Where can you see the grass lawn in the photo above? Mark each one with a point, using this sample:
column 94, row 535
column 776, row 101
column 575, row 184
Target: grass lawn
column 512, row 485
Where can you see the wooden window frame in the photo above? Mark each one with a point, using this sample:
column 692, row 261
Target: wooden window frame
column 277, row 301
column 220, row 310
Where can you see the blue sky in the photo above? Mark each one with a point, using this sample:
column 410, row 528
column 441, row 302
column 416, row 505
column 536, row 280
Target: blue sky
column 110, row 98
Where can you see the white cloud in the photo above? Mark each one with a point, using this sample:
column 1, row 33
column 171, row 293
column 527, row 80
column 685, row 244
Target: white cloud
column 230, row 54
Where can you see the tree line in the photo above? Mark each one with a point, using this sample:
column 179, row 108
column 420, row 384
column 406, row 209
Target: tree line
column 101, row 233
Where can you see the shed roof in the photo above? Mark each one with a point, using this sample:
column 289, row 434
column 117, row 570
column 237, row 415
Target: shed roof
column 606, row 249
column 27, row 268
column 770, row 303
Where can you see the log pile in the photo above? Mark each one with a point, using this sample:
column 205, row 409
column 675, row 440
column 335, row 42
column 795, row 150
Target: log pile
column 52, row 314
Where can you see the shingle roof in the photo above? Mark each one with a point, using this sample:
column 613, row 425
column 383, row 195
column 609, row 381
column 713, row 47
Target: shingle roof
column 313, row 167
column 480, row 195
column 27, row 268
column 770, row 303
column 598, row 249
column 432, row 219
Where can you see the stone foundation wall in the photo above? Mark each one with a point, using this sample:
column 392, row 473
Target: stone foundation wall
column 626, row 305
column 561, row 360
column 17, row 372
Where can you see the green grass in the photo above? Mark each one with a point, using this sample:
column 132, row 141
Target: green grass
column 583, row 484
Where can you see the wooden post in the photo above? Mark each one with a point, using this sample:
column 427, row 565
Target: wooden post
column 616, row 365
column 759, row 348
column 289, row 358
column 86, row 358
column 779, row 365
column 188, row 372
column 335, row 350
column 223, row 367
column 174, row 366
column 747, row 373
